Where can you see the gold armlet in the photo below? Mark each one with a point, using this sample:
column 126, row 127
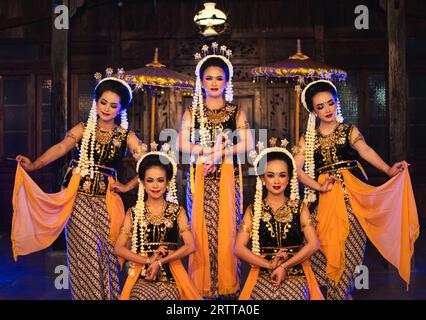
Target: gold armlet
column 310, row 222
column 244, row 228
column 298, row 150
column 72, row 136
column 244, row 126
column 184, row 229
column 125, row 232
column 140, row 149
column 186, row 125
column 359, row 137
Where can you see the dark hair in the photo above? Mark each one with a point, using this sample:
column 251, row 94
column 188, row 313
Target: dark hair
column 155, row 160
column 261, row 168
column 215, row 62
column 117, row 88
column 317, row 88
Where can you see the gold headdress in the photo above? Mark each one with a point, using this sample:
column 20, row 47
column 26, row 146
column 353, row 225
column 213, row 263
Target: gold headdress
column 258, row 198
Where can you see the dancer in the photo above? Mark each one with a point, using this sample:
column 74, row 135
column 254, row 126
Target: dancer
column 282, row 233
column 214, row 193
column 153, row 226
column 91, row 213
column 349, row 210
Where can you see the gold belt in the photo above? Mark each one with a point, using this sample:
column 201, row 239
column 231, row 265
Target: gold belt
column 152, row 246
column 342, row 165
column 272, row 250
column 107, row 171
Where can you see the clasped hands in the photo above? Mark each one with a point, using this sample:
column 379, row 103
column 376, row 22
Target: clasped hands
column 211, row 156
column 154, row 265
column 279, row 273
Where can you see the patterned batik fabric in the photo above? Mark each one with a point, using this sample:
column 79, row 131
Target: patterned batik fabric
column 92, row 264
column 211, row 213
column 354, row 256
column 292, row 288
column 154, row 290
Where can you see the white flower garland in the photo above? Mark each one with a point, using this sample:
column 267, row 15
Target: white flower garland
column 124, row 123
column 310, row 195
column 86, row 160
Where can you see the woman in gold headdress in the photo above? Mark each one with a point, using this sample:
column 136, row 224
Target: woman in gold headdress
column 153, row 227
column 349, row 210
column 87, row 207
column 214, row 131
column 282, row 233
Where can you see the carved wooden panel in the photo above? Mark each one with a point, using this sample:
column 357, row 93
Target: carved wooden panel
column 278, row 122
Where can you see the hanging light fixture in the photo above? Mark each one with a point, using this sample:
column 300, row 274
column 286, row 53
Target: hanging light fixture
column 210, row 19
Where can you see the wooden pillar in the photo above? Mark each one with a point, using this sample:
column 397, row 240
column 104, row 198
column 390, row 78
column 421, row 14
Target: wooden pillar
column 59, row 93
column 115, row 35
column 397, row 80
column 318, row 9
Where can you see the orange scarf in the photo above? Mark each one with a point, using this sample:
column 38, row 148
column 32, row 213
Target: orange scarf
column 199, row 263
column 387, row 214
column 314, row 290
column 187, row 290
column 39, row 217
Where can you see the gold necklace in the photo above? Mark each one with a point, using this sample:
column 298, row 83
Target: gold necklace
column 283, row 213
column 102, row 136
column 154, row 219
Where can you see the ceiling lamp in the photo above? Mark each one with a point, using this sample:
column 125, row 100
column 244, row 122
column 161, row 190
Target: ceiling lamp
column 209, row 19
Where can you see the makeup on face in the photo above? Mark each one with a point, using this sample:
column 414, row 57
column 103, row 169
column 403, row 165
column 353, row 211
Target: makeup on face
column 214, row 81
column 276, row 176
column 325, row 106
column 155, row 182
column 108, row 105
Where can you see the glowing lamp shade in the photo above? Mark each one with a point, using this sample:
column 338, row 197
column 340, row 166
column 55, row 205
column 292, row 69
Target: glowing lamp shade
column 210, row 16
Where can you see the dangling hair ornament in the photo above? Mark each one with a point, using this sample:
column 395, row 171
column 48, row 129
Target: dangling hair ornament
column 258, row 198
column 197, row 108
column 309, row 193
column 86, row 161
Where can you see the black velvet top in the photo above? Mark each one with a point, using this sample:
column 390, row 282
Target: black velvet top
column 159, row 231
column 110, row 149
column 334, row 151
column 218, row 121
column 279, row 230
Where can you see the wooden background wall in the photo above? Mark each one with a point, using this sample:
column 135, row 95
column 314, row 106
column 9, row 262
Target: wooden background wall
column 103, row 34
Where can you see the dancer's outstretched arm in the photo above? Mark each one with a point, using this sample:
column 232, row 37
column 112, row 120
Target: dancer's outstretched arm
column 55, row 152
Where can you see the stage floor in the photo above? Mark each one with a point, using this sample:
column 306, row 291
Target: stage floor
column 33, row 277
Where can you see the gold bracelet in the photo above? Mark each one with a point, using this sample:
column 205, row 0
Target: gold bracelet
column 159, row 263
column 282, row 266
